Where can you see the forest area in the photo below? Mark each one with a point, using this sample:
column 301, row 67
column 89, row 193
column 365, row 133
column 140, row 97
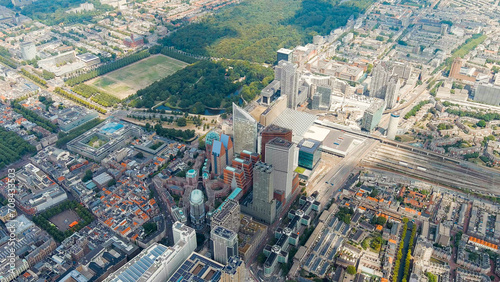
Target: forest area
column 254, row 30
column 206, row 84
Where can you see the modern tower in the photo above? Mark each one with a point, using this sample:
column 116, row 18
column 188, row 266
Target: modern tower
column 28, row 51
column 223, row 244
column 280, row 154
column 373, row 115
column 393, row 126
column 392, row 92
column 197, row 211
column 263, row 204
column 286, row 73
column 227, row 215
column 379, row 81
column 284, row 55
column 244, row 130
column 272, row 131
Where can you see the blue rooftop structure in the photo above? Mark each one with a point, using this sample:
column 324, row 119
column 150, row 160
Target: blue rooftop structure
column 231, row 196
column 211, row 136
column 225, row 140
column 141, row 265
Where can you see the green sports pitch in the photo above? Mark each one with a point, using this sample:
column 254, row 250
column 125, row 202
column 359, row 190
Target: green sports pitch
column 127, row 80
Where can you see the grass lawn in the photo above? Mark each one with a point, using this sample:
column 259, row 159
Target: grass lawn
column 127, row 80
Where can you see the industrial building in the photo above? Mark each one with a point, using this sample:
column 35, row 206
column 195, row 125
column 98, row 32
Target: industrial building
column 223, row 244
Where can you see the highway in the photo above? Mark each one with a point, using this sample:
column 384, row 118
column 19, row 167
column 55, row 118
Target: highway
column 431, row 168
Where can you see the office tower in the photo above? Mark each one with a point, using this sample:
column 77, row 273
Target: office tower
column 393, row 126
column 244, row 131
column 286, row 73
column 200, row 268
column 392, row 92
column 221, row 153
column 192, row 177
column 280, row 154
column 239, row 174
column 227, row 216
column 272, row 131
column 234, row 270
column 284, row 55
column 321, row 99
column 209, row 139
column 379, row 81
column 234, row 177
column 373, row 115
column 309, row 153
column 488, row 94
column 28, row 51
column 197, row 209
column 263, row 204
column 250, row 156
column 157, row 262
column 223, row 244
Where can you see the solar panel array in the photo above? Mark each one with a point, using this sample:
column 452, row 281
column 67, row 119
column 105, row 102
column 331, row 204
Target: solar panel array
column 141, row 265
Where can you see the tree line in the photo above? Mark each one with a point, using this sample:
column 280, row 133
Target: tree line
column 74, row 98
column 33, row 117
column 100, row 97
column 12, row 147
column 415, row 109
column 479, row 115
column 158, row 49
column 108, row 68
column 206, row 84
column 33, row 77
column 43, row 219
column 173, row 133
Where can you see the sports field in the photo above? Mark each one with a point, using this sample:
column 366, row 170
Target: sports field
column 127, row 80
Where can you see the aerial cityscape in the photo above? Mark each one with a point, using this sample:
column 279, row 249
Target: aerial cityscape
column 250, row 140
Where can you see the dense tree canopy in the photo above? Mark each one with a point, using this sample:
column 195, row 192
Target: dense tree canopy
column 206, row 83
column 254, row 30
column 12, row 147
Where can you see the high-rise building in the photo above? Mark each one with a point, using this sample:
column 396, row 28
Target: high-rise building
column 200, row 268
column 263, row 204
column 28, row 51
column 309, row 153
column 285, row 55
column 379, row 80
column 385, row 81
column 373, row 115
column 272, row 131
column 234, row 177
column 221, row 153
column 227, row 216
column 488, row 94
column 244, row 131
column 239, row 174
column 209, row 140
column 280, row 154
column 392, row 130
column 392, row 92
column 223, row 244
column 157, row 262
column 286, row 72
column 197, row 209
